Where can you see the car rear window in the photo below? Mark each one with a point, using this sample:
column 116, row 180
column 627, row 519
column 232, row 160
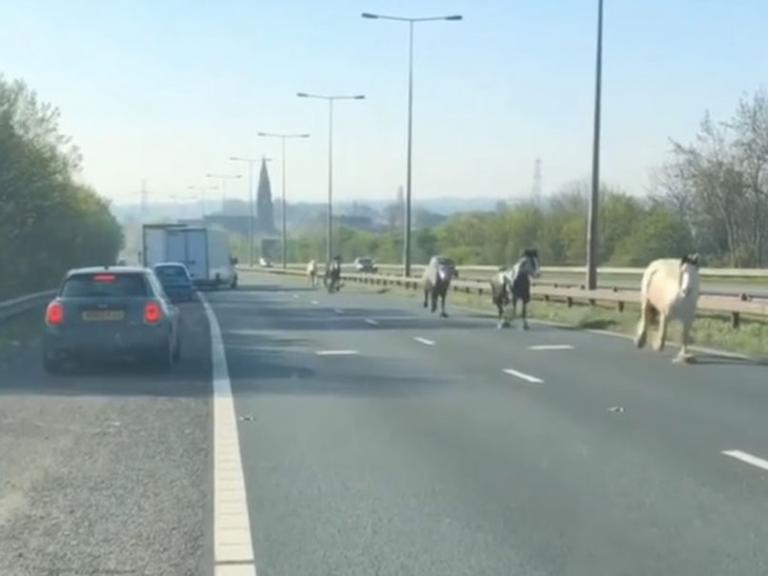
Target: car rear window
column 171, row 273
column 105, row 285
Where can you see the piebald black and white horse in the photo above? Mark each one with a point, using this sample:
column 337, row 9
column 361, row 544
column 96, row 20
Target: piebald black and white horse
column 436, row 281
column 513, row 284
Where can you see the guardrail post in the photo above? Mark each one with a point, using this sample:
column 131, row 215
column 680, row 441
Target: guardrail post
column 735, row 319
column 620, row 306
column 569, row 301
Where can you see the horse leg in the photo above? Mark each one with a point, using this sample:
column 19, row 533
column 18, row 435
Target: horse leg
column 683, row 355
column 662, row 336
column 433, row 295
column 525, row 315
column 642, row 327
column 426, row 298
column 442, row 302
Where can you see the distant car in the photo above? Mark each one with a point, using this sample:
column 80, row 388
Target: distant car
column 107, row 311
column 265, row 263
column 176, row 281
column 365, row 265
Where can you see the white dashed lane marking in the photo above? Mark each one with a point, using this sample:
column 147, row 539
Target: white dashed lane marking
column 523, row 376
column 424, row 341
column 315, row 302
column 336, row 352
column 371, row 321
column 338, row 311
column 747, row 458
column 232, row 539
column 542, row 347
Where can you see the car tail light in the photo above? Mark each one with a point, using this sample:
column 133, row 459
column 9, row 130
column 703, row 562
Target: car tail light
column 104, row 278
column 152, row 313
column 54, row 314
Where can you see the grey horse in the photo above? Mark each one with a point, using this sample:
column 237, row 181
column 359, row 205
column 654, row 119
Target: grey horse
column 436, row 281
column 513, row 284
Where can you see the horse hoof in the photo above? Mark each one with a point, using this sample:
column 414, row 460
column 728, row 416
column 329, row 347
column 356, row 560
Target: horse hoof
column 443, row 315
column 684, row 359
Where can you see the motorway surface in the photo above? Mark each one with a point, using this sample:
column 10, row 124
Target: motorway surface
column 377, row 439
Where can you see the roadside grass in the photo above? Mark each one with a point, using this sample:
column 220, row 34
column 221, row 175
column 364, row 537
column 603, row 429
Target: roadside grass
column 751, row 338
column 18, row 332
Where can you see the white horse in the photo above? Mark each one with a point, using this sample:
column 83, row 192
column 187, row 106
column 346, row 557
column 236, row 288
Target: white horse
column 312, row 273
column 670, row 288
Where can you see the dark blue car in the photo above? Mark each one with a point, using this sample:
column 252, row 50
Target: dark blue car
column 176, row 281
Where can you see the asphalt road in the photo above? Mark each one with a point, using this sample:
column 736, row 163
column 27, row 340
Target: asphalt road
column 107, row 470
column 375, row 438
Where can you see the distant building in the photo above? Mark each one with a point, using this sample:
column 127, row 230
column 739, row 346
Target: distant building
column 265, row 215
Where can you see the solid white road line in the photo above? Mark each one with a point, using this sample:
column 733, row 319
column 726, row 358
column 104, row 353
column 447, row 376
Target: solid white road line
column 336, row 352
column 542, row 347
column 523, row 376
column 424, row 341
column 371, row 321
column 748, row 458
column 232, row 539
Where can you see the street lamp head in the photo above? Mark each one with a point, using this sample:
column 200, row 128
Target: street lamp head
column 455, row 17
column 359, row 97
column 302, row 94
column 369, row 15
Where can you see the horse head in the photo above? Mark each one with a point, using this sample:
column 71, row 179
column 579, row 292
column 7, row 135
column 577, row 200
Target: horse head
column 530, row 262
column 689, row 274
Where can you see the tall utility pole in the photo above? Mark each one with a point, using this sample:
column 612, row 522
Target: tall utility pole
column 408, row 194
column 250, row 162
column 284, row 242
column 330, row 100
column 592, row 227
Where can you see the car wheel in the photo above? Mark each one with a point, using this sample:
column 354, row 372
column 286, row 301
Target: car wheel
column 234, row 282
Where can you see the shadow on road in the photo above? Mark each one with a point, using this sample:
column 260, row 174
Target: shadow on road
column 720, row 360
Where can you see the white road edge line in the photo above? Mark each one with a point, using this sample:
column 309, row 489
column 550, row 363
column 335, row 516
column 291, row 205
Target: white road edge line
column 747, row 458
column 371, row 321
column 541, row 347
column 424, row 341
column 523, row 376
column 232, row 539
column 336, row 352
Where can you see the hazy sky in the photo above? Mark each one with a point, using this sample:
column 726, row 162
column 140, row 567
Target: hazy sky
column 168, row 90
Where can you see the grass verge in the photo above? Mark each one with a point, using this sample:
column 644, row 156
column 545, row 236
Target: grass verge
column 751, row 338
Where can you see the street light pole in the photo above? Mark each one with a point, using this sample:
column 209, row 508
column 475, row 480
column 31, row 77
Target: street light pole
column 283, row 138
column 592, row 218
column 409, row 160
column 331, row 100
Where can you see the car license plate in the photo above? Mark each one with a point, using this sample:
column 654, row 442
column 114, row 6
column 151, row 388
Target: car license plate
column 103, row 315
